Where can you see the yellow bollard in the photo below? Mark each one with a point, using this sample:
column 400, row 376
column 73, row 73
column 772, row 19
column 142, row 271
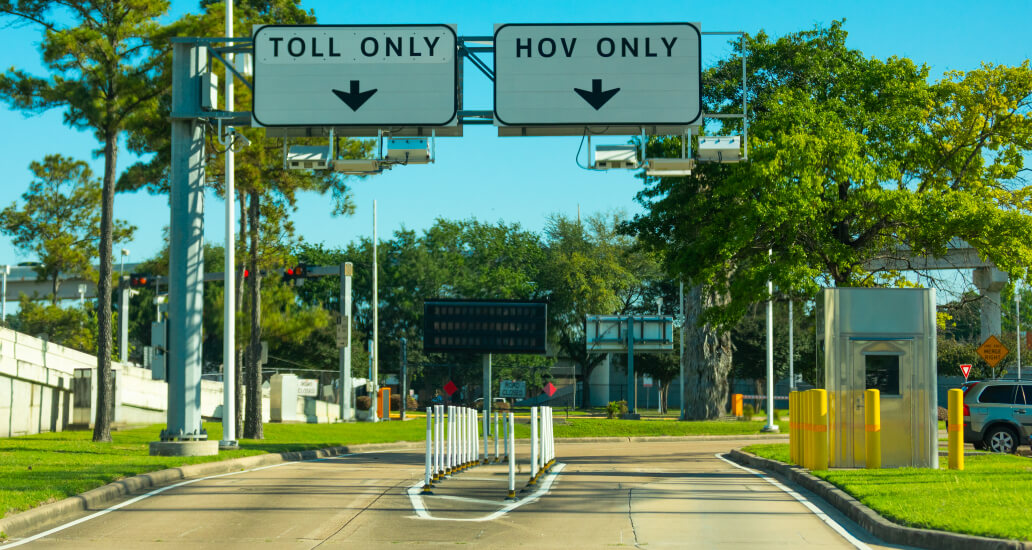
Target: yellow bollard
column 807, row 428
column 820, row 430
column 737, row 405
column 872, row 429
column 793, row 436
column 956, row 429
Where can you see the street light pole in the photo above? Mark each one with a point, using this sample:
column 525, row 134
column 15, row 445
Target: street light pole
column 771, row 426
column 229, row 270
column 1017, row 321
column 680, row 305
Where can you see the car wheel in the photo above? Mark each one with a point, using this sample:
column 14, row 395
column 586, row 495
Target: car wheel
column 1001, row 440
column 979, row 445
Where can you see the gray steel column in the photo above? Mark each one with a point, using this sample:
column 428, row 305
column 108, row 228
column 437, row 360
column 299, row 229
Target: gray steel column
column 990, row 281
column 123, row 319
column 346, row 391
column 404, row 377
column 632, row 389
column 186, row 251
column 487, row 395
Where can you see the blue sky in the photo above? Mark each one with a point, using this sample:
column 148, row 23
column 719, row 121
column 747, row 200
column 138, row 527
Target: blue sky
column 518, row 179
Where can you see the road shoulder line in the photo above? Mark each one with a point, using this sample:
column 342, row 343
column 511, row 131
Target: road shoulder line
column 868, row 519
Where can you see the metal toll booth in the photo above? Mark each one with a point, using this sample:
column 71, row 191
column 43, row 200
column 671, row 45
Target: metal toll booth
column 884, row 339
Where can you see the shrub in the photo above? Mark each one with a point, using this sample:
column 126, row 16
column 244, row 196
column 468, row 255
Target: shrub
column 944, row 415
column 501, row 406
column 363, row 403
column 748, row 411
column 616, row 408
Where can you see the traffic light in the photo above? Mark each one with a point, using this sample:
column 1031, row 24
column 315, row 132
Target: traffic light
column 297, row 272
column 138, row 280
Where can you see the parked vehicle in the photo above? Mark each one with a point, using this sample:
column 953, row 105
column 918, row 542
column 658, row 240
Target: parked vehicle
column 998, row 414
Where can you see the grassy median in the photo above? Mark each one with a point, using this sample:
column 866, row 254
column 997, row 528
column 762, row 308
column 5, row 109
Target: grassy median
column 991, row 497
column 42, row 468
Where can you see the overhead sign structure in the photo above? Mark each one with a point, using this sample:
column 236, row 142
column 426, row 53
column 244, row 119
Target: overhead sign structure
column 598, row 74
column 965, row 370
column 355, row 75
column 478, row 326
column 512, row 389
column 606, row 333
column 992, row 350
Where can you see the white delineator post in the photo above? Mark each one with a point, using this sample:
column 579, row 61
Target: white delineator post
column 534, row 447
column 541, row 441
column 450, row 455
column 429, row 451
column 487, row 437
column 497, row 457
column 462, row 438
column 511, row 451
column 474, row 447
column 436, row 426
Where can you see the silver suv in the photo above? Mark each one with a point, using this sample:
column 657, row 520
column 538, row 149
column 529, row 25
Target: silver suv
column 998, row 415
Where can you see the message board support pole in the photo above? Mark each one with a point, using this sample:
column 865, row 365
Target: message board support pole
column 487, row 403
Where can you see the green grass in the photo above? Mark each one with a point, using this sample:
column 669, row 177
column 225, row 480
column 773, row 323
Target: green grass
column 991, row 497
column 43, row 468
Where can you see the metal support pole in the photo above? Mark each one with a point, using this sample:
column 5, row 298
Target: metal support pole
column 791, row 349
column 374, row 357
column 404, row 376
column 347, row 392
column 487, row 402
column 440, row 467
column 1017, row 322
column 533, row 446
column 229, row 280
column 680, row 360
column 186, row 247
column 497, row 457
column 770, row 427
column 511, row 451
column 3, row 291
column 123, row 319
column 632, row 389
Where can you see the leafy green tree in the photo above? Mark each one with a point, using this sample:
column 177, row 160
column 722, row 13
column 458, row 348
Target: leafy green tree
column 849, row 157
column 105, row 58
column 74, row 327
column 60, row 220
column 591, row 269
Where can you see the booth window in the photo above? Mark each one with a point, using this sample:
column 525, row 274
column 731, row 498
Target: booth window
column 883, row 373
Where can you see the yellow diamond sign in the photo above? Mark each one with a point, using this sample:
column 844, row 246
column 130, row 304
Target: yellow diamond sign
column 992, row 350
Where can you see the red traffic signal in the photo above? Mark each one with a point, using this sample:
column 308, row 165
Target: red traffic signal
column 299, row 271
column 138, row 280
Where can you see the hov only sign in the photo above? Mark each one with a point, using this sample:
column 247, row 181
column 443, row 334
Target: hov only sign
column 598, row 74
column 354, row 75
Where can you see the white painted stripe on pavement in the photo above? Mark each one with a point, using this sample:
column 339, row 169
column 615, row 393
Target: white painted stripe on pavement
column 816, row 511
column 421, row 512
column 134, row 500
column 467, row 499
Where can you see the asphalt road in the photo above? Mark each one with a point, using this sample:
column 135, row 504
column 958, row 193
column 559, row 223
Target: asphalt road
column 604, row 495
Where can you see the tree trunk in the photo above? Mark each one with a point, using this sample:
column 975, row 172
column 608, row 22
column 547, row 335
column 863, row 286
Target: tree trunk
column 664, row 391
column 707, row 358
column 105, row 387
column 253, row 423
column 55, row 285
column 238, row 367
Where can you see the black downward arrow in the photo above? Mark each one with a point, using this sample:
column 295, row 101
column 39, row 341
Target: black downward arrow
column 355, row 98
column 596, row 97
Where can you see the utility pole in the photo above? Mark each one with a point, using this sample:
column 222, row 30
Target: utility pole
column 791, row 349
column 680, row 311
column 374, row 349
column 1017, row 322
column 346, row 391
column 771, row 426
column 229, row 281
column 4, row 272
column 404, row 376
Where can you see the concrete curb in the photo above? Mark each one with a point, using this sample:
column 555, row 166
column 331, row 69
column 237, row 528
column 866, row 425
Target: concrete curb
column 49, row 515
column 870, row 520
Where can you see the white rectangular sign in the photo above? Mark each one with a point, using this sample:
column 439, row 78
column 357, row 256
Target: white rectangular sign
column 605, row 333
column 512, row 389
column 307, row 387
column 353, row 75
column 598, row 74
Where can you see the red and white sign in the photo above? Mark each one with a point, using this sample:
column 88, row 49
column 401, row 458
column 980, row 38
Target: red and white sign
column 966, row 370
column 450, row 388
column 550, row 389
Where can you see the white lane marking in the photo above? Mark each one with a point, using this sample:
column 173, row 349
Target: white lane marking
column 160, row 490
column 468, row 499
column 802, row 500
column 421, row 512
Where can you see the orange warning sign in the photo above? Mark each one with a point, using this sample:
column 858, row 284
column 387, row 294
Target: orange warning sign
column 992, row 350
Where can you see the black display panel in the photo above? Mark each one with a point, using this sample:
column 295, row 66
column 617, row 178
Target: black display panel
column 477, row 326
column 883, row 373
